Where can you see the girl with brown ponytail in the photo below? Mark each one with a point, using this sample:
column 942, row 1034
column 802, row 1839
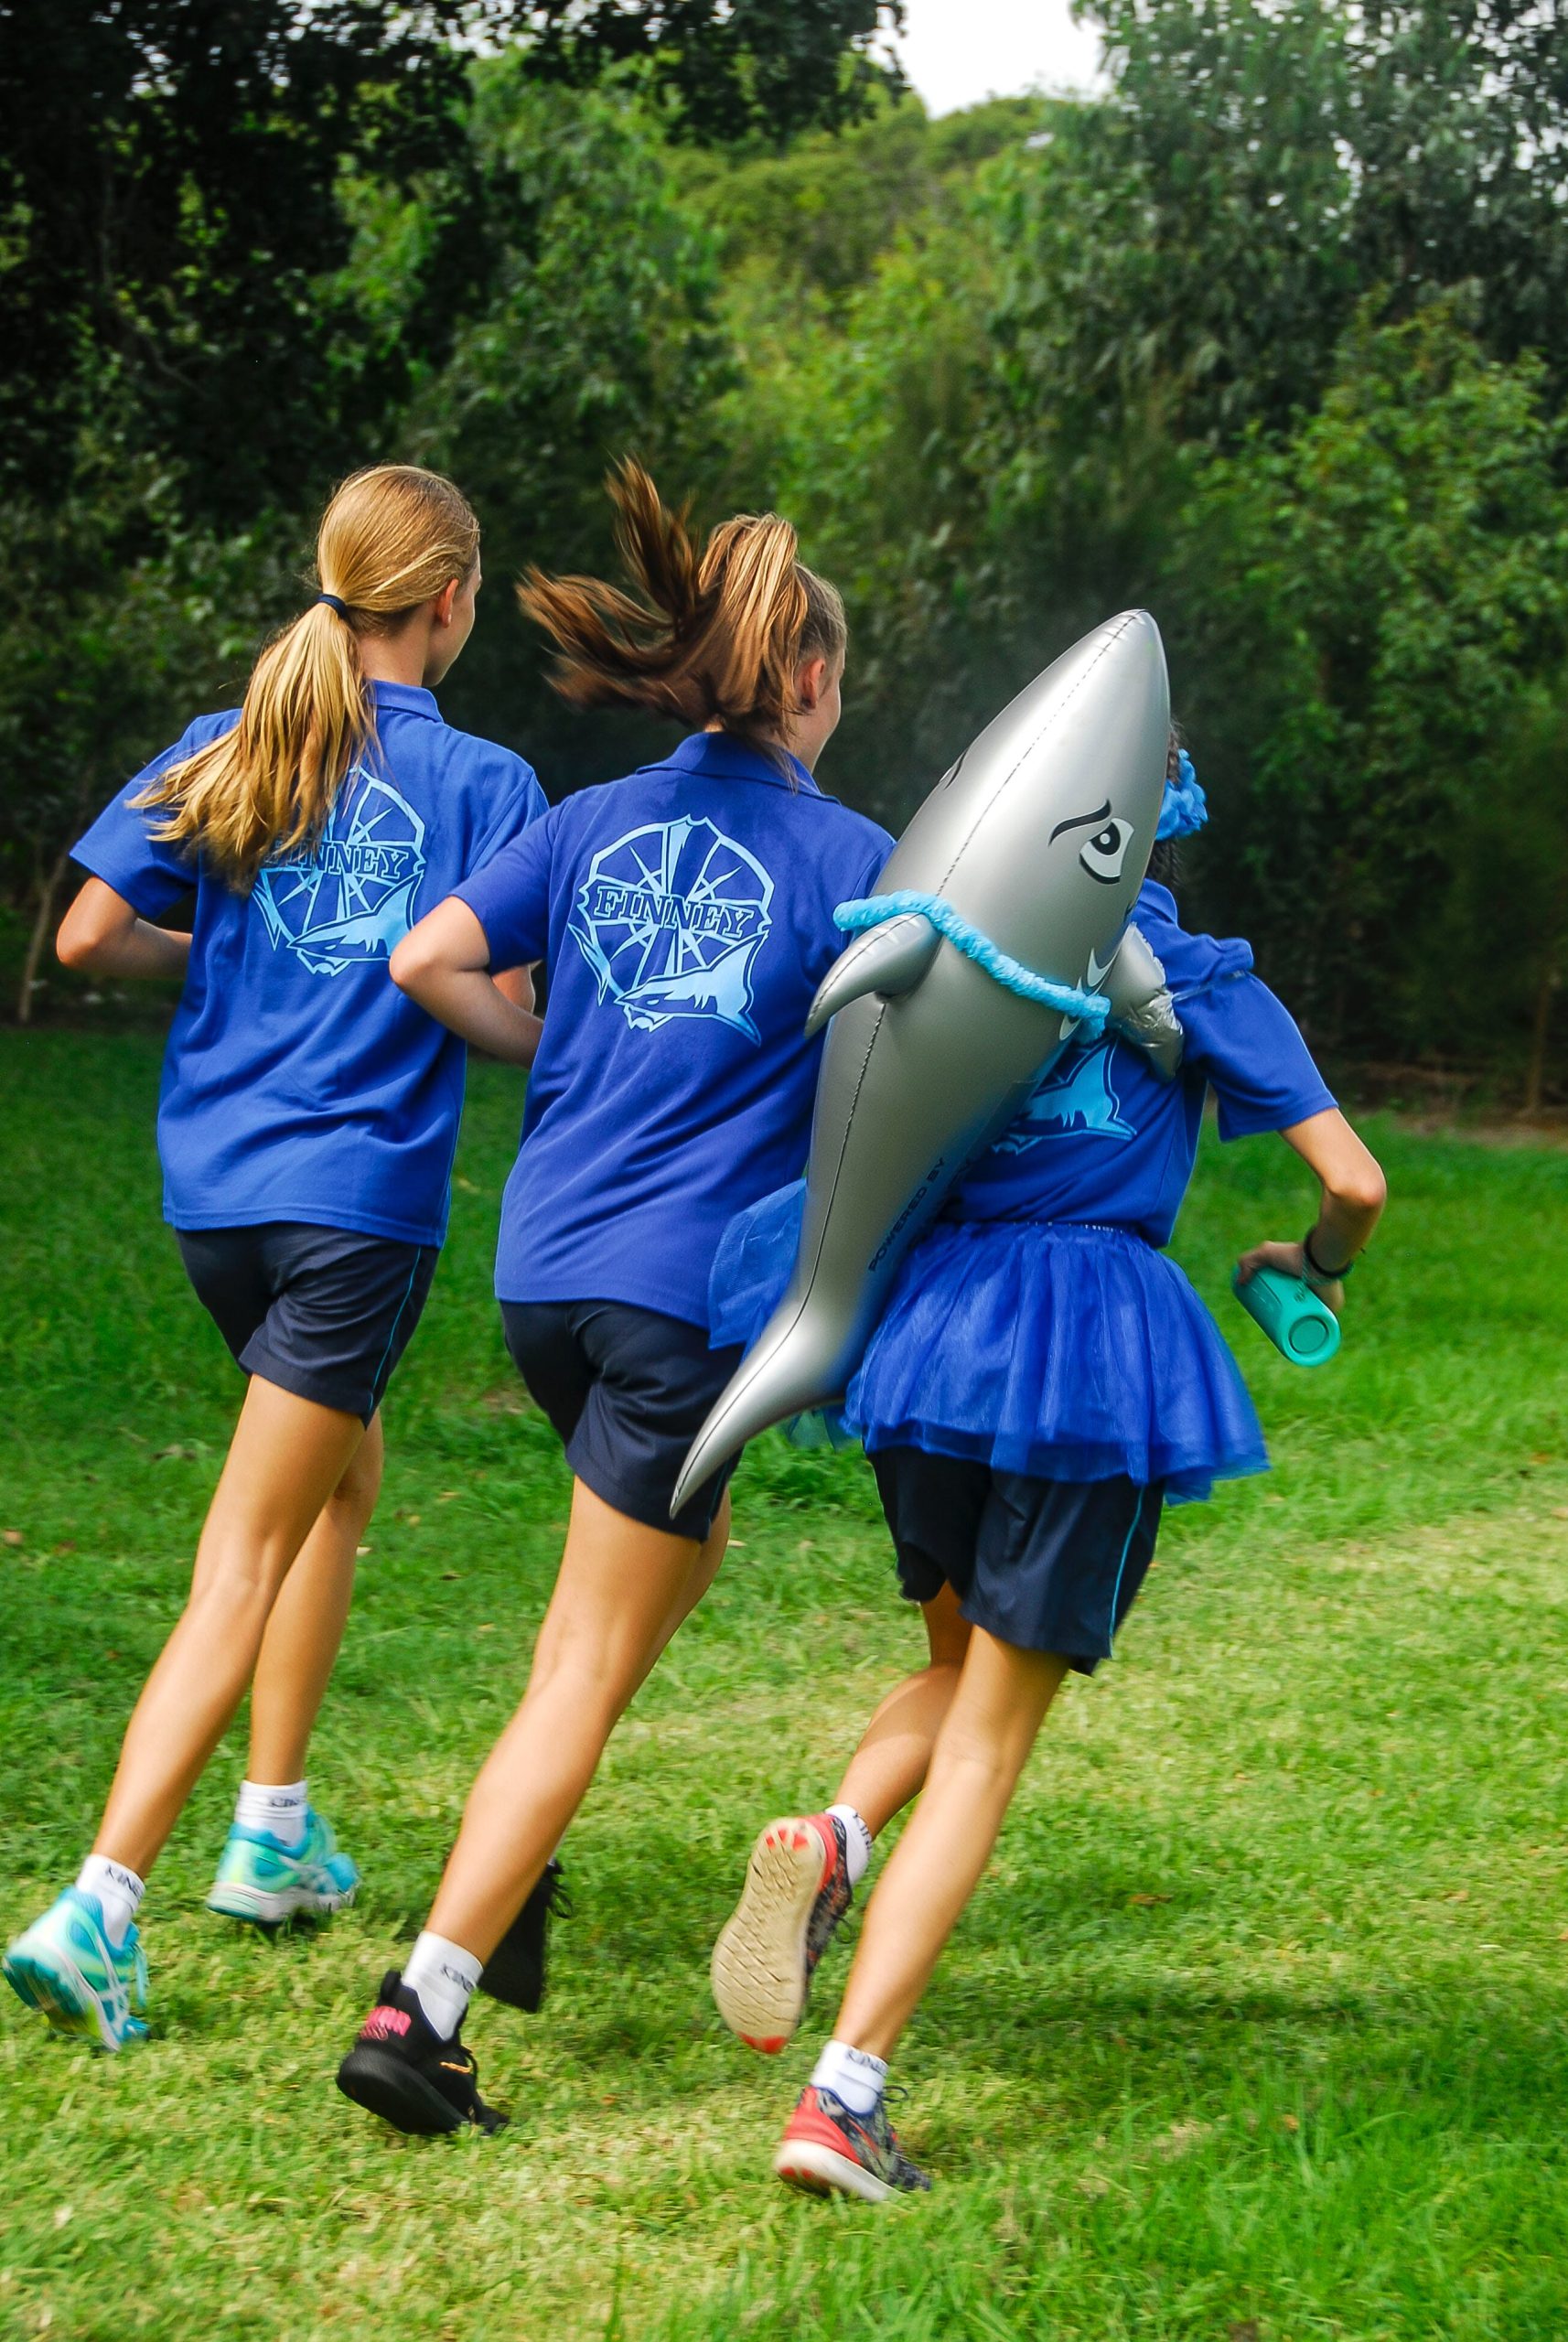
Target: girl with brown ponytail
column 307, row 1124
column 686, row 917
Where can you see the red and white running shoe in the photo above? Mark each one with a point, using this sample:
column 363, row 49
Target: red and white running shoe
column 797, row 1890
column 827, row 2151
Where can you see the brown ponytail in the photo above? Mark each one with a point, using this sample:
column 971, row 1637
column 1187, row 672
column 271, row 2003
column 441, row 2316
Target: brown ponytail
column 716, row 634
column 390, row 538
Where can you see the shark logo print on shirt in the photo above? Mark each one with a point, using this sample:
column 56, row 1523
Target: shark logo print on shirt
column 671, row 919
column 348, row 899
column 1076, row 1096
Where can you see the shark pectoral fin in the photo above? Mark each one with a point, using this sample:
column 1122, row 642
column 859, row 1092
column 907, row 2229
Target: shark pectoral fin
column 1141, row 1008
column 889, row 960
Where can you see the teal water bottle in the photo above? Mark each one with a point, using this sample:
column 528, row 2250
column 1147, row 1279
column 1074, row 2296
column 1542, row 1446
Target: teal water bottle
column 1300, row 1325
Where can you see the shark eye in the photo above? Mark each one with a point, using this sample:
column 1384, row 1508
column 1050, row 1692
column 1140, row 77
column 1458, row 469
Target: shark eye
column 1106, row 852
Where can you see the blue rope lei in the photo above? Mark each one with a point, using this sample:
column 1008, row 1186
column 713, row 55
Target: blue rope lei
column 1090, row 1008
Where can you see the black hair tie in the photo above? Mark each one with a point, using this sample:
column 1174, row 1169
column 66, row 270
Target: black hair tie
column 334, row 604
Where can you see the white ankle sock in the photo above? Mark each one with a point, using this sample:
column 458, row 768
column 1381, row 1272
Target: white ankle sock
column 280, row 1811
column 858, row 1842
column 443, row 1976
column 853, row 2076
column 119, row 1893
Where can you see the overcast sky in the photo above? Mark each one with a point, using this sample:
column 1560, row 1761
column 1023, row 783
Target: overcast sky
column 958, row 51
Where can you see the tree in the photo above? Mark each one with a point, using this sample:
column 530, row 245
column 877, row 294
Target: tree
column 170, row 173
column 727, row 69
column 102, row 665
column 1200, row 241
column 1366, row 616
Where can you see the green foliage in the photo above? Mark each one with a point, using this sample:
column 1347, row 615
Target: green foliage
column 1271, row 338
column 818, row 217
column 168, row 175
column 169, row 180
column 102, row 664
column 1384, row 594
column 726, row 68
column 598, row 335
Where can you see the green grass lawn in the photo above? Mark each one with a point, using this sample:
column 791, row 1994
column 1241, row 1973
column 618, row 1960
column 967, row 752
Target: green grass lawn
column 1256, row 2029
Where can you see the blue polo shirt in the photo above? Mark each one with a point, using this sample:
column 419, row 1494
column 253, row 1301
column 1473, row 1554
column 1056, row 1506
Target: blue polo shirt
column 298, row 1083
column 1104, row 1140
column 686, row 915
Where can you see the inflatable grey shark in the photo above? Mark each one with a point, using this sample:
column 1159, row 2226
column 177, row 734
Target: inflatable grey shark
column 1039, row 838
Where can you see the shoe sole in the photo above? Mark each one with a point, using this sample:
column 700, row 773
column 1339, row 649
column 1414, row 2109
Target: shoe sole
column 817, row 2170
column 384, row 2085
column 238, row 1901
column 759, row 1968
column 62, row 1996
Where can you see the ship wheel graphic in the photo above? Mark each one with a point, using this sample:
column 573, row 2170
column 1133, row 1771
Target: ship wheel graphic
column 670, row 919
column 348, row 899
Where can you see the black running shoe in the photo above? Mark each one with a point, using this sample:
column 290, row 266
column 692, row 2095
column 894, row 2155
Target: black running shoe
column 515, row 1970
column 401, row 2069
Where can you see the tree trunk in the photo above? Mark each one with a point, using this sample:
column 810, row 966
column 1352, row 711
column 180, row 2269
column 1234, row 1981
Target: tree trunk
column 1535, row 1075
column 49, row 888
column 1550, row 977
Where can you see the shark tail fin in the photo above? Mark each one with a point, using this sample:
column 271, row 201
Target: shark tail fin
column 890, row 960
column 796, row 1363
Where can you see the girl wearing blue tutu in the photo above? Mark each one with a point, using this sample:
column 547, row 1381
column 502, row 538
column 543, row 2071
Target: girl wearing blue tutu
column 686, row 914
column 1042, row 1381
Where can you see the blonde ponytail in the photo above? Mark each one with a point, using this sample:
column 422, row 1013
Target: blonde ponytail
column 717, row 635
column 391, row 538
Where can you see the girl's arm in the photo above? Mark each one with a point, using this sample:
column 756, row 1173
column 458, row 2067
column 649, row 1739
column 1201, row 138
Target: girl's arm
column 444, row 965
column 103, row 935
column 1354, row 1191
column 516, row 985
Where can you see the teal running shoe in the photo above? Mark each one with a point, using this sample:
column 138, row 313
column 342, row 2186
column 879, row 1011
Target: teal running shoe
column 67, row 1968
column 260, row 1879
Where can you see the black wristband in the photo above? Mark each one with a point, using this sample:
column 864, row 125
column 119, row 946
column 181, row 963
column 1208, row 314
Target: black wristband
column 1324, row 1276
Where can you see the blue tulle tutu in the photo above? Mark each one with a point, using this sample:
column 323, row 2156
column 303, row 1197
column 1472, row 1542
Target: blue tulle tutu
column 1067, row 1352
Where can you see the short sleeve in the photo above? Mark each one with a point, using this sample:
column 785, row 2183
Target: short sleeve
column 520, row 802
column 121, row 848
column 509, row 896
column 1249, row 1047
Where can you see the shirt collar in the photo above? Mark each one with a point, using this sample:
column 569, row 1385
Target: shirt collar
column 720, row 756
column 1152, row 895
column 405, row 699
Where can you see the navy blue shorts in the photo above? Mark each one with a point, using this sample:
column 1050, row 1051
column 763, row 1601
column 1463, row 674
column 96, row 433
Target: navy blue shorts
column 322, row 1312
column 1045, row 1564
column 628, row 1389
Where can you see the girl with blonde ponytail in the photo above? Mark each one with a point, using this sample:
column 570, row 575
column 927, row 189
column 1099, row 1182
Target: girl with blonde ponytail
column 686, row 917
column 307, row 1124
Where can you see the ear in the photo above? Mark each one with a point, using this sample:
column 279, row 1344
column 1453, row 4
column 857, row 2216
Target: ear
column 814, row 674
column 442, row 608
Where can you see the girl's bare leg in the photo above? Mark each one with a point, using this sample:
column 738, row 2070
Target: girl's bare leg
column 300, row 1646
column 1000, row 1702
column 704, row 1569
column 622, row 1590
column 287, row 1456
column 889, row 1768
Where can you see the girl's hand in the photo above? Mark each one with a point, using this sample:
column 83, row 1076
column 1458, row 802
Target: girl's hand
column 1291, row 1261
column 444, row 963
